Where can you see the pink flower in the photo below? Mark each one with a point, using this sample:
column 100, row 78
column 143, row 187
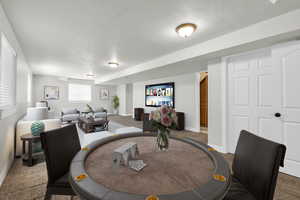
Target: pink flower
column 166, row 121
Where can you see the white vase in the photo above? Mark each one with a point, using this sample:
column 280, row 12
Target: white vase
column 162, row 140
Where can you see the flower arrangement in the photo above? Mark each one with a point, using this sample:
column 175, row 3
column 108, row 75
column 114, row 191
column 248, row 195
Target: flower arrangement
column 163, row 119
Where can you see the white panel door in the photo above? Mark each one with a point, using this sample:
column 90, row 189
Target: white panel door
column 287, row 63
column 266, row 124
column 251, row 100
column 239, row 93
column 264, row 98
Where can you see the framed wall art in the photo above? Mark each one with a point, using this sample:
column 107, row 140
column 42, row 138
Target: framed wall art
column 104, row 94
column 51, row 92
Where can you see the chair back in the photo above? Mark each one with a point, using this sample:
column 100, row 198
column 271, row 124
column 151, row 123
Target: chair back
column 147, row 125
column 60, row 146
column 256, row 164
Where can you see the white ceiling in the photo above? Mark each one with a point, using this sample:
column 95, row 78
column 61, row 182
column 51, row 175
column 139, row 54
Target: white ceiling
column 72, row 38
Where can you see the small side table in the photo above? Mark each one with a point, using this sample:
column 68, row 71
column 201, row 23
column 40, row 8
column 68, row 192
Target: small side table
column 28, row 157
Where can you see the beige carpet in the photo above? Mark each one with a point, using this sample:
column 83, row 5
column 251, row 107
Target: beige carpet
column 29, row 183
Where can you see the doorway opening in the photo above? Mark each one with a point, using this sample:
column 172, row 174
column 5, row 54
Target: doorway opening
column 204, row 102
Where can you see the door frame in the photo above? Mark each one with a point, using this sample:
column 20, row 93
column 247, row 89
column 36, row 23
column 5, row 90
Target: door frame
column 199, row 103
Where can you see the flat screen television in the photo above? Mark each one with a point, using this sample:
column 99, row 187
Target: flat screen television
column 160, row 94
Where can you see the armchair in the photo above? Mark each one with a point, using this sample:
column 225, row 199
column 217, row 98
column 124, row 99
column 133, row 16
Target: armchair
column 100, row 113
column 69, row 115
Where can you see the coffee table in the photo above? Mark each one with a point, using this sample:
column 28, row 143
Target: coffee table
column 89, row 125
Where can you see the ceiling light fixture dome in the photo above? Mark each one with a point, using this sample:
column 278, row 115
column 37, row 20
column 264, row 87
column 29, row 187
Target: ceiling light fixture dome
column 91, row 75
column 186, row 30
column 113, row 64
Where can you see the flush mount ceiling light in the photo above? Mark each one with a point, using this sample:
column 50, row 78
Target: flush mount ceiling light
column 186, row 30
column 91, row 75
column 113, row 64
column 273, row 1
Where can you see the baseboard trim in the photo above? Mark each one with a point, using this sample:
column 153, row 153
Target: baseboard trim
column 125, row 115
column 219, row 148
column 192, row 129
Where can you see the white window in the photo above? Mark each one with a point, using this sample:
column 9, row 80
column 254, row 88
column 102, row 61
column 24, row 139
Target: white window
column 80, row 92
column 7, row 75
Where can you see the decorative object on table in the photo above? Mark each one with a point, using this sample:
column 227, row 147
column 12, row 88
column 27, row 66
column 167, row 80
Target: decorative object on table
column 37, row 128
column 125, row 153
column 51, row 92
column 89, row 108
column 116, row 104
column 104, row 94
column 137, row 165
column 163, row 119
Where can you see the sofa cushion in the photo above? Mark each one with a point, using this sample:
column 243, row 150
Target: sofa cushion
column 70, row 117
column 67, row 111
column 99, row 109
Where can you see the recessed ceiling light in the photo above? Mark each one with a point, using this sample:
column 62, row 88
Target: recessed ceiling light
column 113, row 64
column 186, row 30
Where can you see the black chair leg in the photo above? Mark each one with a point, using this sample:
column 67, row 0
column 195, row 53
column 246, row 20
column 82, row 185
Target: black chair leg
column 47, row 196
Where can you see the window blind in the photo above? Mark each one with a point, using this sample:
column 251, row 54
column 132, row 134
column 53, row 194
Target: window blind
column 7, row 74
column 80, row 92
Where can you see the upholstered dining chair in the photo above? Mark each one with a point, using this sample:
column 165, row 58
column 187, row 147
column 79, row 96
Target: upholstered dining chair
column 255, row 168
column 60, row 146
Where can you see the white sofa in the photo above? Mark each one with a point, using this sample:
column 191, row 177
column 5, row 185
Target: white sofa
column 24, row 127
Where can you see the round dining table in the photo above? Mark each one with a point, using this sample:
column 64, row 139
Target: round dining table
column 187, row 170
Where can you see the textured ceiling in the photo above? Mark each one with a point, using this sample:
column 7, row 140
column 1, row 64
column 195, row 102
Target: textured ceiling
column 71, row 38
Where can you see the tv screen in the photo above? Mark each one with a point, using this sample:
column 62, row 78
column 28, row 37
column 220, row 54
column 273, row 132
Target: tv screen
column 160, row 94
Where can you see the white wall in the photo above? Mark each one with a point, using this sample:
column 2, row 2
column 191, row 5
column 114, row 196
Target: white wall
column 7, row 124
column 186, row 97
column 129, row 99
column 121, row 93
column 57, row 105
column 215, row 105
column 124, row 92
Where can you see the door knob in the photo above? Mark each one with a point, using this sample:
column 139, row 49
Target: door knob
column 277, row 114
